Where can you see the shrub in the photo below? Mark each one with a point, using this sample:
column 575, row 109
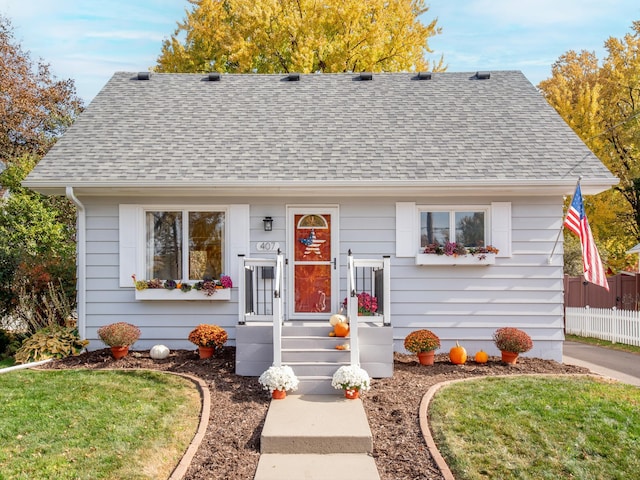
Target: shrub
column 511, row 339
column 421, row 341
column 120, row 334
column 50, row 342
column 208, row 336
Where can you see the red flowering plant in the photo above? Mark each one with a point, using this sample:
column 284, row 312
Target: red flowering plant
column 509, row 339
column 205, row 335
column 421, row 341
column 457, row 249
column 120, row 334
column 367, row 304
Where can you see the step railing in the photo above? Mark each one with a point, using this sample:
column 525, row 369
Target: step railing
column 261, row 296
column 367, row 276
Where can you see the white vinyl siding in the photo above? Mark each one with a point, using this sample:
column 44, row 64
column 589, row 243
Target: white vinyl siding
column 458, row 303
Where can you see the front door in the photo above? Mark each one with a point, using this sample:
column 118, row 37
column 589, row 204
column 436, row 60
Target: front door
column 313, row 269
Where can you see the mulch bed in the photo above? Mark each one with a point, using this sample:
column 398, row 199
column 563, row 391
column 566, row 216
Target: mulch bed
column 231, row 447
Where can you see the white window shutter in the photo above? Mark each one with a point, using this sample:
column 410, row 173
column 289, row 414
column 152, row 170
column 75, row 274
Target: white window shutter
column 239, row 222
column 407, row 233
column 129, row 232
column 501, row 228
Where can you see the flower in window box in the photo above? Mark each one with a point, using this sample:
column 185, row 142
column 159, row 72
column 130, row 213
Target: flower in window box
column 457, row 249
column 225, row 281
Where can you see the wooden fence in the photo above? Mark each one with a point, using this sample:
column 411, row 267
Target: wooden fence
column 623, row 294
column 611, row 324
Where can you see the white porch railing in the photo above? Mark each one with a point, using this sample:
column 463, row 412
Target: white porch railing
column 261, row 296
column 380, row 280
column 613, row 325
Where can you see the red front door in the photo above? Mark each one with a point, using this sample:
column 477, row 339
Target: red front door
column 314, row 264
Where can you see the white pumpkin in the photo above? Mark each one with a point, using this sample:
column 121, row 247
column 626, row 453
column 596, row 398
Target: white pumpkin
column 337, row 318
column 159, row 352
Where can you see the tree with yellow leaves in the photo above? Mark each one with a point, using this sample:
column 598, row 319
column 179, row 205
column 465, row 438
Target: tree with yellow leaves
column 304, row 36
column 602, row 104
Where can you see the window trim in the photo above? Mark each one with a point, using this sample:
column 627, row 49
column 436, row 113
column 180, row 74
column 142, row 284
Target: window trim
column 185, row 210
column 408, row 226
column 452, row 210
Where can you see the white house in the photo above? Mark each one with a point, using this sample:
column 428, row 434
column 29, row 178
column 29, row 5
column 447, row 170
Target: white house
column 177, row 176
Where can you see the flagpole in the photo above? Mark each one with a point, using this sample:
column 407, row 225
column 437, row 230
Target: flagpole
column 550, row 259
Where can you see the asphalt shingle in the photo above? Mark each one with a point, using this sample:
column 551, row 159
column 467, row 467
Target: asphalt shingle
column 178, row 128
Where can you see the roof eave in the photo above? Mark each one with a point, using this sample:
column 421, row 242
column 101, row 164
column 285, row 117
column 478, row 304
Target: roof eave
column 327, row 188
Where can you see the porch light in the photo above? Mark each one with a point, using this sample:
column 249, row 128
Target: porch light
column 268, row 224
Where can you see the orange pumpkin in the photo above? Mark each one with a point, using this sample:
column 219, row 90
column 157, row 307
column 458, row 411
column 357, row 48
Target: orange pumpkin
column 341, row 329
column 482, row 357
column 458, row 354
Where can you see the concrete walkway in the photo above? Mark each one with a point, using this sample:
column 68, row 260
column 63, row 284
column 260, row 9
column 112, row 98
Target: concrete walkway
column 616, row 364
column 316, row 437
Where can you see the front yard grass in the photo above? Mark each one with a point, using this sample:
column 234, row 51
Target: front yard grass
column 538, row 428
column 80, row 424
column 7, row 362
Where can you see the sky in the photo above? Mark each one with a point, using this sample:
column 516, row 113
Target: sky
column 89, row 40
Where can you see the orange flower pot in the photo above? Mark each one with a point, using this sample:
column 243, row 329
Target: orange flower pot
column 119, row 352
column 509, row 357
column 205, row 352
column 427, row 358
column 351, row 393
column 279, row 394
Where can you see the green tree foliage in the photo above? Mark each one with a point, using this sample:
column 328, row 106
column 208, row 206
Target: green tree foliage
column 275, row 36
column 602, row 105
column 36, row 239
column 36, row 232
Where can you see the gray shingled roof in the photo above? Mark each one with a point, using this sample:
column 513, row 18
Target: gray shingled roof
column 178, row 129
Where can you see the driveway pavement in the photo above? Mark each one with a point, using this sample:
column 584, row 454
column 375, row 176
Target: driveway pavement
column 623, row 366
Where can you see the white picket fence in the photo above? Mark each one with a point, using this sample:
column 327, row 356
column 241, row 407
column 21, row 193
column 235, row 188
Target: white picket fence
column 617, row 326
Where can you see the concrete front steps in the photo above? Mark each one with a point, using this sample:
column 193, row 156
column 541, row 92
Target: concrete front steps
column 311, row 352
column 316, row 437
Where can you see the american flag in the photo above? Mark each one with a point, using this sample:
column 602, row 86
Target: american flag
column 577, row 222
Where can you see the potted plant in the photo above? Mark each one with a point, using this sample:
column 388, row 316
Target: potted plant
column 423, row 343
column 279, row 380
column 119, row 336
column 511, row 342
column 208, row 338
column 352, row 379
column 367, row 304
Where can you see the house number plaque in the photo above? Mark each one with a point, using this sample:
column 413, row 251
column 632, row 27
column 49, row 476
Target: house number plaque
column 267, row 246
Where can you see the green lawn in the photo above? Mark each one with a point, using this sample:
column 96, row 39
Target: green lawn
column 538, row 428
column 7, row 362
column 80, row 424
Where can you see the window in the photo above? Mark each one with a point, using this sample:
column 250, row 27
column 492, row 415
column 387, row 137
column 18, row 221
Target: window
column 465, row 226
column 184, row 245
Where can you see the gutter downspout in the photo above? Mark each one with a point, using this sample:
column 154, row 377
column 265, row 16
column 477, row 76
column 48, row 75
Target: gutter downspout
column 81, row 262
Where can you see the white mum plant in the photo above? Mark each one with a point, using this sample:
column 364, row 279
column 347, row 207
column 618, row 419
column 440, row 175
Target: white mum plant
column 279, row 378
column 351, row 377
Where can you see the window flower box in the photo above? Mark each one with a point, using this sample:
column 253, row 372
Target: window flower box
column 456, row 254
column 208, row 289
column 164, row 294
column 470, row 260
